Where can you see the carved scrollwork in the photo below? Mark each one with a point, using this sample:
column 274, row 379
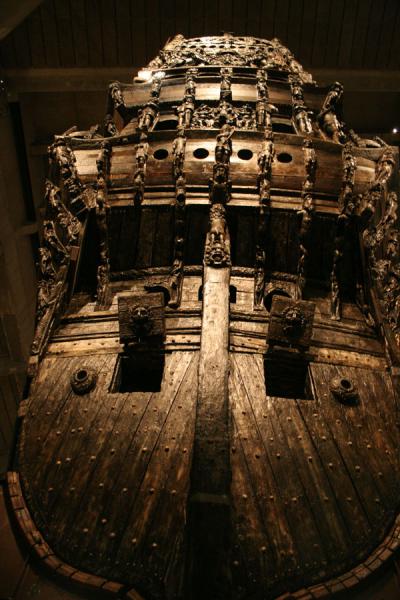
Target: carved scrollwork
column 61, row 154
column 229, row 51
column 242, row 117
column 69, row 223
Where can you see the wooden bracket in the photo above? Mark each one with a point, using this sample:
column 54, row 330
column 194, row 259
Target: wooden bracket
column 291, row 323
column 141, row 320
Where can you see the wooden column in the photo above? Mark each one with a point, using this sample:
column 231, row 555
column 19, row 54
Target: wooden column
column 209, row 506
column 209, row 520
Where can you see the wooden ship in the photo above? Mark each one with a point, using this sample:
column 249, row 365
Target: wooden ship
column 212, row 411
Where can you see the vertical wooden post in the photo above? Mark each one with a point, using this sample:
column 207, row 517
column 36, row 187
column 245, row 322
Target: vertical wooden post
column 209, row 506
column 209, row 519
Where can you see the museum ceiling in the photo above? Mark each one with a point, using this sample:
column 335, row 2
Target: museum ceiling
column 78, row 46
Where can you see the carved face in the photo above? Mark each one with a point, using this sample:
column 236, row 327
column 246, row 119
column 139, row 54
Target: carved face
column 294, row 321
column 139, row 314
column 218, row 255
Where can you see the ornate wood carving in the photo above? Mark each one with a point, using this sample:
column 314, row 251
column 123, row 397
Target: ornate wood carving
column 306, row 212
column 329, row 117
column 103, row 269
column 148, row 115
column 291, row 323
column 141, row 319
column 301, row 115
column 346, row 210
column 381, row 241
column 217, row 249
column 251, row 52
column 265, row 159
column 141, row 155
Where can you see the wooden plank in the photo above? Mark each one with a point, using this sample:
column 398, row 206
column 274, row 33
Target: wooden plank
column 360, row 33
column 153, row 30
column 253, row 552
column 109, row 33
column 333, row 535
column 277, row 240
column 295, row 20
column 394, row 55
column 45, row 405
column 343, row 428
column 116, row 503
column 124, row 33
column 94, row 36
column 374, row 29
column 138, row 24
column 64, row 32
column 354, row 515
column 347, row 32
column 225, row 15
column 281, row 20
column 386, row 34
column 279, row 521
column 48, row 16
column 79, row 32
column 128, row 237
column 147, row 233
column 58, row 426
column 72, row 445
column 334, row 33
column 21, row 45
column 321, row 33
column 90, row 487
column 158, row 511
column 163, row 240
column 36, row 41
column 308, row 28
column 196, row 23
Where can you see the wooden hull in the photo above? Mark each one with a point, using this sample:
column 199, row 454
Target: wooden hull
column 213, row 412
column 106, row 476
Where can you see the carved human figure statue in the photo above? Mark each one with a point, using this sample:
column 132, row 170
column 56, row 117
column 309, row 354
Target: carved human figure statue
column 148, row 115
column 223, row 148
column 178, row 148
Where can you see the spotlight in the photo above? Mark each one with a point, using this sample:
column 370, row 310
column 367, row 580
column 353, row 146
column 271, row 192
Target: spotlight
column 395, row 130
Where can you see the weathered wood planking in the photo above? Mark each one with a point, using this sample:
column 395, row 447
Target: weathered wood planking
column 337, row 508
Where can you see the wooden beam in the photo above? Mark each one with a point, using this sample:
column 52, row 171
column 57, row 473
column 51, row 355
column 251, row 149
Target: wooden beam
column 12, row 13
